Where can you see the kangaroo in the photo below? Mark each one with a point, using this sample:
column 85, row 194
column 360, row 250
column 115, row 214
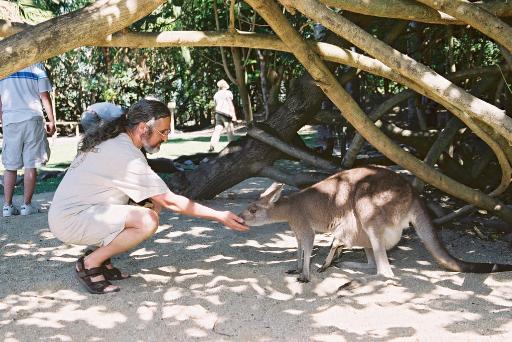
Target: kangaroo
column 364, row 207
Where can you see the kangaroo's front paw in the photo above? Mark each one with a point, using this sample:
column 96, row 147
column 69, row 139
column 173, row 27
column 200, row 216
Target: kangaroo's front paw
column 302, row 279
column 292, row 272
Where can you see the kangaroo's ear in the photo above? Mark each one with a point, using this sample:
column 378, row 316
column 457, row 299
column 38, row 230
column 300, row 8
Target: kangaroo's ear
column 273, row 193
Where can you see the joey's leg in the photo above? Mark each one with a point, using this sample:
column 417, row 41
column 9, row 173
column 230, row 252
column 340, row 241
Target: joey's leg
column 300, row 255
column 307, row 246
column 379, row 253
column 361, row 265
column 370, row 257
column 334, row 253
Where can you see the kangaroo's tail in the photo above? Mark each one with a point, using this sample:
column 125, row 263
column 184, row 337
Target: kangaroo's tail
column 428, row 235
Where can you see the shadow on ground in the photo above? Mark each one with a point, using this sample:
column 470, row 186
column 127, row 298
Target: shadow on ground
column 196, row 279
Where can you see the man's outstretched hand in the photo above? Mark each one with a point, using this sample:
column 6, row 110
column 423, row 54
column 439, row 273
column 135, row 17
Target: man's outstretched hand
column 232, row 221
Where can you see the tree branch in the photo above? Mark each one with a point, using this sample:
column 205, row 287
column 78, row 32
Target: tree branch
column 468, row 105
column 69, row 31
column 328, row 83
column 300, row 180
column 277, row 143
column 476, row 16
column 408, row 10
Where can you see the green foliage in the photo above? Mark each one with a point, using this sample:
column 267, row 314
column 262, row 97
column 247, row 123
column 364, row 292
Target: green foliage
column 188, row 75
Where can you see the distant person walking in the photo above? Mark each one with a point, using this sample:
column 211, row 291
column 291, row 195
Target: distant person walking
column 224, row 114
column 25, row 144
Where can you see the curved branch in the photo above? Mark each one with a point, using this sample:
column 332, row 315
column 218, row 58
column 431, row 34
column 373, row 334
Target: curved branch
column 408, row 10
column 462, row 104
column 478, row 17
column 327, row 51
column 326, row 80
column 61, row 34
column 425, row 77
column 308, row 158
column 300, row 180
column 358, row 141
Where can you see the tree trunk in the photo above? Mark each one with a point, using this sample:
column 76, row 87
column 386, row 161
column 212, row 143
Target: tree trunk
column 247, row 157
column 242, row 87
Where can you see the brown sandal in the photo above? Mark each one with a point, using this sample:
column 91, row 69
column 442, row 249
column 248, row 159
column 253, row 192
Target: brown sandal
column 110, row 273
column 85, row 278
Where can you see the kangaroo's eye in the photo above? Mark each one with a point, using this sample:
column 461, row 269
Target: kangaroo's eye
column 252, row 210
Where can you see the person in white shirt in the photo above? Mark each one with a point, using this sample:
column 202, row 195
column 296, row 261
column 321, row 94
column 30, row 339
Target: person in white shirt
column 90, row 206
column 224, row 114
column 24, row 135
column 99, row 113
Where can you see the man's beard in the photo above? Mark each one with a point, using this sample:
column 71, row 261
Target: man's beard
column 148, row 148
column 151, row 149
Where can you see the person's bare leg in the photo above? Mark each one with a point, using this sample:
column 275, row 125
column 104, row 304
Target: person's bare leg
column 29, row 184
column 141, row 223
column 230, row 131
column 216, row 136
column 9, row 182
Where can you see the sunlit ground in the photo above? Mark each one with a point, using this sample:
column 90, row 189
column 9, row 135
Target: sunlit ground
column 196, row 279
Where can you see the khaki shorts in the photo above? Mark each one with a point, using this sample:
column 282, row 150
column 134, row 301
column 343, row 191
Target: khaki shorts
column 97, row 225
column 25, row 145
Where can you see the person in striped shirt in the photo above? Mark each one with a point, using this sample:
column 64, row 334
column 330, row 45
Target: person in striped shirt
column 22, row 98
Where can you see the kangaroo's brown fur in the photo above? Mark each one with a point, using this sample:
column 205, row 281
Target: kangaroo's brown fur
column 364, row 207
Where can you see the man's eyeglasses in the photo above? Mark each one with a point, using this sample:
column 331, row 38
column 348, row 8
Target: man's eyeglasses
column 164, row 134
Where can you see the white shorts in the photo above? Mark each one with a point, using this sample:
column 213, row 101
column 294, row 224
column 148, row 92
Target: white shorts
column 97, row 225
column 25, row 145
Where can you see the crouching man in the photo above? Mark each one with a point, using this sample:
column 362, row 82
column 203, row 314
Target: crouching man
column 90, row 206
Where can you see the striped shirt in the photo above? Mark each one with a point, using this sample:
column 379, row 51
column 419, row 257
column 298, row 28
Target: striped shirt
column 20, row 91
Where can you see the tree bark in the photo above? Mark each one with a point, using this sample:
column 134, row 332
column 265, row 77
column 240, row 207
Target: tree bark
column 248, row 157
column 409, row 10
column 69, row 31
column 326, row 80
column 408, row 67
column 478, row 17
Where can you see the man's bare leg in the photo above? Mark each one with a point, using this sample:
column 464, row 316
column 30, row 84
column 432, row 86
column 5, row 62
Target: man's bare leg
column 141, row 223
column 29, row 184
column 9, row 182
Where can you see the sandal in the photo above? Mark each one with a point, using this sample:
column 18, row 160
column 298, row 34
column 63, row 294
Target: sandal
column 113, row 273
column 85, row 275
column 110, row 273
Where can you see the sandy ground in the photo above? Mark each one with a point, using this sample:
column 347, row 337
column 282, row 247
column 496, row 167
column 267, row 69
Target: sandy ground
column 198, row 280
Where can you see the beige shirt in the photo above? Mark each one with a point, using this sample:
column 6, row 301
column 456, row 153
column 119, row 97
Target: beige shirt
column 113, row 173
column 224, row 102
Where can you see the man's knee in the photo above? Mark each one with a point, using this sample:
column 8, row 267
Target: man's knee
column 150, row 221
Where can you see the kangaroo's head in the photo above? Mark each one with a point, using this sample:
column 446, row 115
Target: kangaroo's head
column 258, row 213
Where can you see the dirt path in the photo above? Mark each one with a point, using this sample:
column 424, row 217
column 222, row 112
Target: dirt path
column 198, row 280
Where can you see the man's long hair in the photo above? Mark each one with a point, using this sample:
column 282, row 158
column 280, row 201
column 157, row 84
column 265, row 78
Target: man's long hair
column 145, row 110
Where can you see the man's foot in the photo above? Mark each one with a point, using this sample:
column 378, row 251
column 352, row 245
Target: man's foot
column 109, row 271
column 211, row 149
column 10, row 210
column 93, row 279
column 27, row 209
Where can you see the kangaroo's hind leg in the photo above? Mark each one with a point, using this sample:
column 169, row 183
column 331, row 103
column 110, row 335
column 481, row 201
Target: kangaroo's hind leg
column 379, row 252
column 334, row 253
